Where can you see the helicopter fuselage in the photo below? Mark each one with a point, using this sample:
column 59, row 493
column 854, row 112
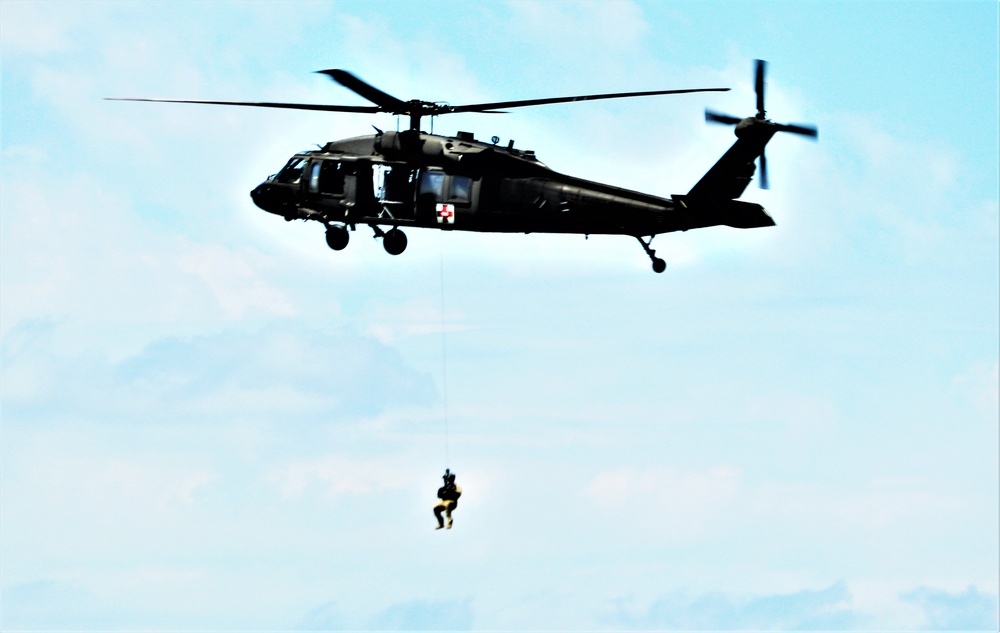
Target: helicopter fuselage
column 415, row 179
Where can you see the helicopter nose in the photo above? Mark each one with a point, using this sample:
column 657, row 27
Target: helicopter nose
column 269, row 198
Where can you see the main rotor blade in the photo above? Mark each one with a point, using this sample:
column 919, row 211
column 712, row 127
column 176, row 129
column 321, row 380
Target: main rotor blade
column 759, row 86
column 481, row 107
column 386, row 101
column 805, row 130
column 725, row 119
column 261, row 104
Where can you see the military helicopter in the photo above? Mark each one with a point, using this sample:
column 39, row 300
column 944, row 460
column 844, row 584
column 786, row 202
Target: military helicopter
column 411, row 178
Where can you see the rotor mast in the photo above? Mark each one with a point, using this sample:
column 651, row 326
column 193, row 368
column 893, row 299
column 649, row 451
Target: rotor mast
column 416, row 111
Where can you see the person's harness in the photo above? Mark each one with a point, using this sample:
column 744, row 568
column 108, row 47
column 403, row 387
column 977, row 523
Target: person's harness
column 449, row 493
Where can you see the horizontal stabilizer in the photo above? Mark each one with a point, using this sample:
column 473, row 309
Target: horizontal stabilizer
column 714, row 212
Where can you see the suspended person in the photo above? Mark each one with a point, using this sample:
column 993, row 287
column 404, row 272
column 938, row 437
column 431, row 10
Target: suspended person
column 448, row 494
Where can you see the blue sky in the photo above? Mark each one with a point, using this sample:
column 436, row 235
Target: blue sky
column 210, row 421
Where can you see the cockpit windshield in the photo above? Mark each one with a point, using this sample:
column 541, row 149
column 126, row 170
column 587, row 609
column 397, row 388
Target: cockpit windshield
column 292, row 172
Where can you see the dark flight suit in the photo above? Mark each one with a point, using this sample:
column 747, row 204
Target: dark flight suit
column 448, row 494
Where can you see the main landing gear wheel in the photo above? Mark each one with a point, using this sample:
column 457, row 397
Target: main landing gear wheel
column 337, row 237
column 658, row 264
column 394, row 242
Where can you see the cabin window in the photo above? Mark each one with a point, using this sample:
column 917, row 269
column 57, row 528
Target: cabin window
column 314, row 176
column 432, row 182
column 331, row 178
column 326, row 176
column 461, row 189
column 394, row 183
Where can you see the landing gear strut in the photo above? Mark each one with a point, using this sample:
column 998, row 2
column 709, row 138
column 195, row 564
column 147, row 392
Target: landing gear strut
column 658, row 264
column 393, row 240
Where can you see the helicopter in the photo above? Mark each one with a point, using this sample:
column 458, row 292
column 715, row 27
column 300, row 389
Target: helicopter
column 414, row 179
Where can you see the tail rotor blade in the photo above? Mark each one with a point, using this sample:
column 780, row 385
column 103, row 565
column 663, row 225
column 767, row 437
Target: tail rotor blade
column 804, row 130
column 759, row 86
column 764, row 183
column 716, row 117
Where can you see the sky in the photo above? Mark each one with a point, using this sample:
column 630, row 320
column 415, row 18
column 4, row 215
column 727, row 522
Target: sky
column 211, row 421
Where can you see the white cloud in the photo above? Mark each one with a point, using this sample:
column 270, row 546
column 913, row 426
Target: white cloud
column 829, row 608
column 81, row 250
column 271, row 374
column 837, row 607
column 235, row 280
column 341, row 474
column 681, row 506
column 969, row 610
column 68, row 500
column 980, row 384
column 877, row 507
column 32, row 28
column 134, row 483
column 391, row 321
column 421, row 615
column 46, row 604
column 888, row 198
column 582, row 28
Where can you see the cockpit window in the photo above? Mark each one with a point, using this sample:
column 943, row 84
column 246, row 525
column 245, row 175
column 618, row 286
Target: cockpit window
column 292, row 172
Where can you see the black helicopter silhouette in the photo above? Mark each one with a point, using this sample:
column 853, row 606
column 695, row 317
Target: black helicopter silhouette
column 414, row 179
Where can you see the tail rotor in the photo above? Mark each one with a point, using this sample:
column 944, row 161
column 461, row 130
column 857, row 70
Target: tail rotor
column 760, row 120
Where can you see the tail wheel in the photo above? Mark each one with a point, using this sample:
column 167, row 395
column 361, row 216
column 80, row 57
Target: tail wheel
column 394, row 242
column 658, row 264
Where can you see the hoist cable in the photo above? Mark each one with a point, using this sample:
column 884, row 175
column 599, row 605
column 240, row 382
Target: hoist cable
column 444, row 359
